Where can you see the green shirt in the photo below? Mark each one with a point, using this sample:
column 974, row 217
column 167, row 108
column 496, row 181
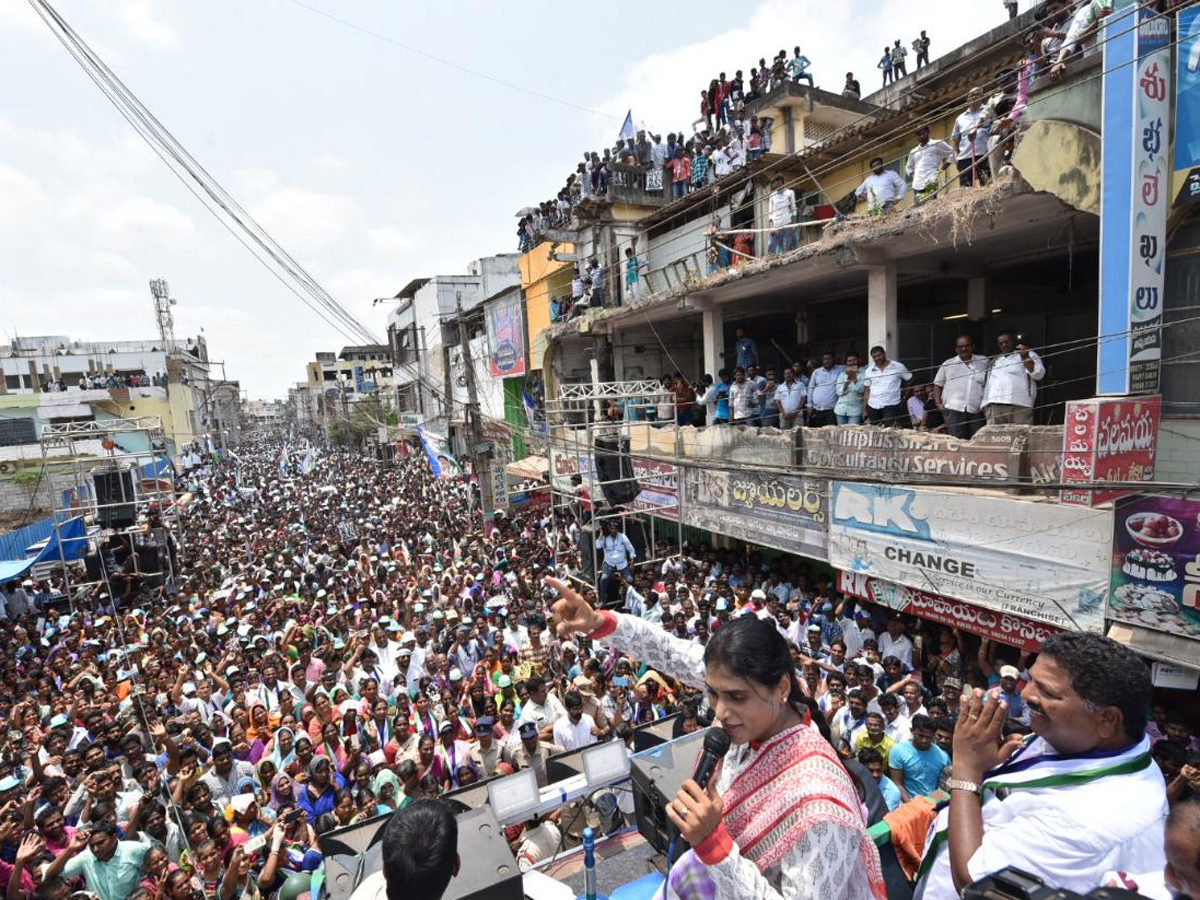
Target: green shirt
column 115, row 878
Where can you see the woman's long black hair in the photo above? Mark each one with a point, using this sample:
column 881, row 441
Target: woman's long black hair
column 752, row 648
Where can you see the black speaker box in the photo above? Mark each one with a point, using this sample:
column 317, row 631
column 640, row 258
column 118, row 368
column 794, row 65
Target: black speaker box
column 489, row 871
column 115, row 507
column 613, row 464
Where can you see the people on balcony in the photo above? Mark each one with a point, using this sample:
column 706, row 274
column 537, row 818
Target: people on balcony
column 781, row 212
column 958, row 389
column 798, row 68
column 926, row 162
column 899, row 53
column 970, row 139
column 849, row 389
column 1011, row 382
column 822, row 391
column 883, row 189
column 883, row 380
column 885, row 66
column 921, row 48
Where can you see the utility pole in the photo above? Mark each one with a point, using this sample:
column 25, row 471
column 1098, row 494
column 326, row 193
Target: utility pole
column 480, row 450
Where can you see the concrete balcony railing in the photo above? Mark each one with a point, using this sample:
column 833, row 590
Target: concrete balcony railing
column 627, row 184
column 1011, row 458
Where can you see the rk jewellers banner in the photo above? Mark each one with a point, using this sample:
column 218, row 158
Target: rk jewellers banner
column 787, row 512
column 1008, row 628
column 1156, row 565
column 1039, row 560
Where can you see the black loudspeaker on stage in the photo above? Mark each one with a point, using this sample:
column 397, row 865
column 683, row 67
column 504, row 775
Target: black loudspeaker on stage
column 115, row 500
column 613, row 464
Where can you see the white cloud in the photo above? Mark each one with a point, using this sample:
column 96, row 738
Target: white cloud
column 304, row 220
column 254, row 182
column 143, row 20
column 393, row 241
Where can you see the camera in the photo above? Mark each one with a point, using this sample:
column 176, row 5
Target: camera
column 1011, row 883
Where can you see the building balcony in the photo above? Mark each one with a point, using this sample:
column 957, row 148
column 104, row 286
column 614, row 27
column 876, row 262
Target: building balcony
column 628, row 185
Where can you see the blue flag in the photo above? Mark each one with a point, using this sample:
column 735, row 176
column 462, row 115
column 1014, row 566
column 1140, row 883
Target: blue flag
column 627, row 130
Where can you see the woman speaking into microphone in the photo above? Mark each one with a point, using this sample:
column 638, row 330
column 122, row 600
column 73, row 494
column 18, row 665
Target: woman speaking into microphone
column 781, row 817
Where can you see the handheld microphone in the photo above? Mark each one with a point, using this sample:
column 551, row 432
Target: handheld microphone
column 716, row 745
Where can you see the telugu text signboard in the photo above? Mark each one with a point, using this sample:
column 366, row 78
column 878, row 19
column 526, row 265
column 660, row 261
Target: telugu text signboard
column 1008, row 628
column 1156, row 565
column 1112, row 439
column 1134, row 197
column 1039, row 560
column 783, row 512
column 899, row 454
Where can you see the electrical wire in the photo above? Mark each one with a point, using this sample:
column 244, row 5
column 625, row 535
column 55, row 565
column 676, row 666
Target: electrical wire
column 155, row 134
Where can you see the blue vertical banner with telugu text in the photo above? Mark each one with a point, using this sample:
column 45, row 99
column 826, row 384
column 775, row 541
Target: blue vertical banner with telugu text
column 1134, row 198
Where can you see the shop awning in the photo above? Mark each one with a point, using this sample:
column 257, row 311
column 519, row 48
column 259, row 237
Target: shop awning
column 532, row 467
column 71, row 537
column 1160, row 645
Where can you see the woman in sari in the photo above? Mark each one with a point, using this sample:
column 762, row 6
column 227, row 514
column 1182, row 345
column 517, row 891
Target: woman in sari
column 258, row 730
column 430, row 762
column 281, row 747
column 332, row 747
column 283, row 791
column 780, row 817
column 324, row 713
column 376, row 729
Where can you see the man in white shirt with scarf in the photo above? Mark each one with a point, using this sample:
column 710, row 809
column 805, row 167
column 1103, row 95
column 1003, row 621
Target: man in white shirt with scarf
column 1079, row 799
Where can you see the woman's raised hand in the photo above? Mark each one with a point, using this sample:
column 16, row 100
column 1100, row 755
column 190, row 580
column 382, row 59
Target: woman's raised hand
column 574, row 614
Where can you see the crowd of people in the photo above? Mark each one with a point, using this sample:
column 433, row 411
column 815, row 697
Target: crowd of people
column 106, row 381
column 344, row 643
column 967, row 391
column 721, row 141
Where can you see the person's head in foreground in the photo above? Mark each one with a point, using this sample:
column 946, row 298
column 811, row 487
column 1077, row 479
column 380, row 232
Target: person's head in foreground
column 1086, row 691
column 420, row 851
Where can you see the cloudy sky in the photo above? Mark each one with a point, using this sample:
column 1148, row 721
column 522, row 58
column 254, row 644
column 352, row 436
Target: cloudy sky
column 370, row 157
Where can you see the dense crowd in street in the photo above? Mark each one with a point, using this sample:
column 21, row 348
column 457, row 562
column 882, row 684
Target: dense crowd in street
column 334, row 645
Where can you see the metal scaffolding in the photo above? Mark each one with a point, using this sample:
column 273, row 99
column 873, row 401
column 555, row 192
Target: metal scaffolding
column 637, row 430
column 127, row 496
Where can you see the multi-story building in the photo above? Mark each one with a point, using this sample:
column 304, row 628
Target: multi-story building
column 423, row 329
column 55, row 378
column 971, row 531
column 336, row 380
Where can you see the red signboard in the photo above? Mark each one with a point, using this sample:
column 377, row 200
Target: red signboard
column 1108, row 439
column 1014, row 630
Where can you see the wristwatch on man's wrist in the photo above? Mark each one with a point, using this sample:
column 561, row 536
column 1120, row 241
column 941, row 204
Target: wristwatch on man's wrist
column 958, row 784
